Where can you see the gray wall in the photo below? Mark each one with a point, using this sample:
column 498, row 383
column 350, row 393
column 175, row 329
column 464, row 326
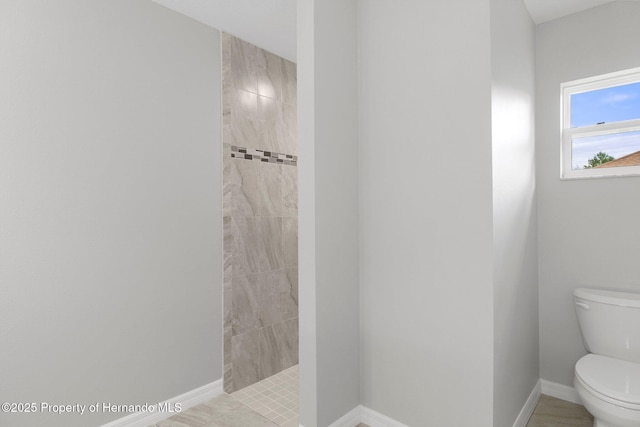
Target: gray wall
column 110, row 210
column 328, row 210
column 426, row 211
column 588, row 229
column 515, row 237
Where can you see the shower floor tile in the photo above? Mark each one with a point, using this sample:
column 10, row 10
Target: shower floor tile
column 275, row 398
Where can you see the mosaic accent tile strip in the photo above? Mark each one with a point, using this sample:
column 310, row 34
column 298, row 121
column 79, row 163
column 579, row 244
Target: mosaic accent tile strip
column 263, row 156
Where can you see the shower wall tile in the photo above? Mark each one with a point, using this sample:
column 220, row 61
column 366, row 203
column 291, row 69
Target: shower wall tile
column 258, row 244
column 276, row 71
column 267, row 201
column 227, row 354
column 288, row 130
column 290, row 192
column 272, row 240
column 271, row 287
column 227, row 378
column 228, row 242
column 252, row 188
column 278, row 347
column 228, row 308
column 289, row 83
column 269, row 124
column 239, row 184
column 246, row 303
column 240, row 121
column 249, row 249
column 290, row 241
column 268, row 74
column 240, row 57
column 245, row 352
column 290, row 294
column 260, row 209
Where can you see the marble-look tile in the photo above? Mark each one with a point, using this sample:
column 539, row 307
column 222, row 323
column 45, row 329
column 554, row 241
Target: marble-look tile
column 290, row 241
column 269, row 74
column 289, row 83
column 239, row 179
column 268, row 199
column 246, row 303
column 288, row 129
column 227, row 383
column 227, row 304
column 252, row 188
column 260, row 209
column 272, row 240
column 278, row 347
column 555, row 412
column 258, row 244
column 245, row 350
column 227, row 331
column 290, row 294
column 266, row 298
column 269, row 124
column 240, row 119
column 241, row 59
column 228, row 242
column 290, row 191
column 270, row 286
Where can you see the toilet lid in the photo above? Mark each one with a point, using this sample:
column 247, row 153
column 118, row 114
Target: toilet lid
column 614, row 378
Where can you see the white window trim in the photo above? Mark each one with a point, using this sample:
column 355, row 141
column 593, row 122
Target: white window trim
column 567, row 133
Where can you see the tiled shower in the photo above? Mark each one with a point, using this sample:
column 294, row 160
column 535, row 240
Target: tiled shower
column 260, row 214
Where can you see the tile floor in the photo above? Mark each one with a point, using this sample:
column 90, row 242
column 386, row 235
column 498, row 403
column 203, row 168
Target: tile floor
column 552, row 412
column 222, row 411
column 275, row 398
column 273, row 402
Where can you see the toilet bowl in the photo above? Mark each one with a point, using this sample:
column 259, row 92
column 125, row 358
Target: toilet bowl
column 608, row 379
column 609, row 389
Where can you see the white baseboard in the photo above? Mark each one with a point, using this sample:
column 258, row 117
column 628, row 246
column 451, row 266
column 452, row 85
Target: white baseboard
column 376, row 419
column 529, row 406
column 350, row 419
column 560, row 391
column 186, row 400
column 362, row 414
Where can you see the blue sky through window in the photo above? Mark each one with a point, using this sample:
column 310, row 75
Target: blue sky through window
column 613, row 104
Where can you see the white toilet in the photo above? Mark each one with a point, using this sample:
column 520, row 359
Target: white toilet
column 608, row 379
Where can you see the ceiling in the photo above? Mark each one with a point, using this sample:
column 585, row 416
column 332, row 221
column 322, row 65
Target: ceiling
column 547, row 10
column 271, row 24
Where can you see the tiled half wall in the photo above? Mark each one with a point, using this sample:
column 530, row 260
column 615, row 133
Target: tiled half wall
column 260, row 214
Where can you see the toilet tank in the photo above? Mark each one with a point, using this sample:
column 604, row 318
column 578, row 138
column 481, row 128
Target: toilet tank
column 609, row 322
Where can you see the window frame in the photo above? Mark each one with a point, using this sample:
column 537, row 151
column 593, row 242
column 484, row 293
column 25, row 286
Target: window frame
column 589, row 84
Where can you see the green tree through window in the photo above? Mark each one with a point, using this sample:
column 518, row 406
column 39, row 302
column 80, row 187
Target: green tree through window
column 600, row 158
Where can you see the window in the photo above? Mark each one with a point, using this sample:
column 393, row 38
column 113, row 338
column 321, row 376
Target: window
column 601, row 126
